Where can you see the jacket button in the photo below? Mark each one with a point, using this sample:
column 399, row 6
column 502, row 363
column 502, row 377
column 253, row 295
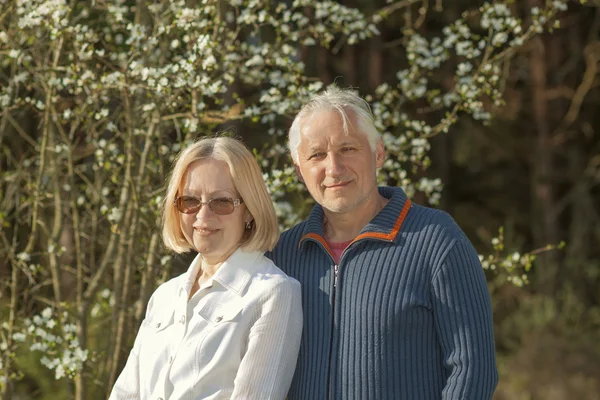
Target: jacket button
column 158, row 325
column 219, row 318
column 182, row 319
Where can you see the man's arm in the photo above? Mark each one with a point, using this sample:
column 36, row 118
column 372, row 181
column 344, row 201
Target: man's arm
column 463, row 318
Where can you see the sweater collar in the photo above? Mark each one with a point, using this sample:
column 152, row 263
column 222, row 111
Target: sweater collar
column 384, row 226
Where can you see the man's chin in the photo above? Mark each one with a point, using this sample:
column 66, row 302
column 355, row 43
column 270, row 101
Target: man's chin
column 339, row 206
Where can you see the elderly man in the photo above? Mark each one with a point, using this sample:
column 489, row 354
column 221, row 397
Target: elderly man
column 395, row 302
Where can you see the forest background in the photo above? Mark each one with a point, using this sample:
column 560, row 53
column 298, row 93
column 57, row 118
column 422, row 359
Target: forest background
column 488, row 111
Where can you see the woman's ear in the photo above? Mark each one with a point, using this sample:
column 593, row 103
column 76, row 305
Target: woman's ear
column 248, row 220
column 248, row 217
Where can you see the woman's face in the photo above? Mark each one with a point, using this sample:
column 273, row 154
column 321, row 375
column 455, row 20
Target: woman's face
column 214, row 236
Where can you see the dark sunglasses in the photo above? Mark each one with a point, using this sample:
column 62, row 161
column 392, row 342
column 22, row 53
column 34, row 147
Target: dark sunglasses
column 218, row 205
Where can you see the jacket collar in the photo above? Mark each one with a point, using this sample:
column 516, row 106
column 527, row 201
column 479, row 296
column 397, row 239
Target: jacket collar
column 384, row 226
column 234, row 274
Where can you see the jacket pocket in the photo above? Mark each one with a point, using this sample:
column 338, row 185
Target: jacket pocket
column 155, row 333
column 217, row 314
column 160, row 321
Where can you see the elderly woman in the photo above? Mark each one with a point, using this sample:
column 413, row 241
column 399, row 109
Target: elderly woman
column 230, row 326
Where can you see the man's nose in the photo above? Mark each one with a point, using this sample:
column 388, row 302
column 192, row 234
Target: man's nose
column 335, row 166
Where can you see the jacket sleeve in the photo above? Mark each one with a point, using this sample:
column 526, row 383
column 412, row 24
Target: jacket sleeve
column 463, row 317
column 267, row 367
column 127, row 386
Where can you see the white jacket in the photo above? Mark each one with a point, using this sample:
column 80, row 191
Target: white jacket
column 237, row 337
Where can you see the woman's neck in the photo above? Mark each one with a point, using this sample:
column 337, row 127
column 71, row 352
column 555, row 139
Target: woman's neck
column 208, row 267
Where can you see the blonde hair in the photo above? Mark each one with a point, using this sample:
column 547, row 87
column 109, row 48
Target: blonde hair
column 248, row 181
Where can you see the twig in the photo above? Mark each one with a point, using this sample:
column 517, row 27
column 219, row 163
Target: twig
column 20, row 130
column 396, row 6
column 591, row 59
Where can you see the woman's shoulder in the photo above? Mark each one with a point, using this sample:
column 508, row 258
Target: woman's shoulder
column 271, row 271
column 169, row 288
column 267, row 273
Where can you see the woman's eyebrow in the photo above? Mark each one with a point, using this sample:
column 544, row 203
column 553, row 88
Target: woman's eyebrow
column 214, row 193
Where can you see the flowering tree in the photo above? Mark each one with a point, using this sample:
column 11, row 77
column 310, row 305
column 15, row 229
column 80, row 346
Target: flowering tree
column 97, row 98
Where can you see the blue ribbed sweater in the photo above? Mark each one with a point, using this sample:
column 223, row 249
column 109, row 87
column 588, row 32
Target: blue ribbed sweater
column 408, row 318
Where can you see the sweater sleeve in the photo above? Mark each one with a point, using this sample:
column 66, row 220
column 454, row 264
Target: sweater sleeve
column 463, row 317
column 267, row 367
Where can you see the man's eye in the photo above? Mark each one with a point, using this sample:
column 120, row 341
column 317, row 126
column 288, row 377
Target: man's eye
column 315, row 155
column 346, row 149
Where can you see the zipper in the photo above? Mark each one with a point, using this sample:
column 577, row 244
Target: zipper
column 321, row 242
column 332, row 330
column 336, row 268
column 335, row 277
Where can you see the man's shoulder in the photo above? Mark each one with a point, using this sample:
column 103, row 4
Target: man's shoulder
column 422, row 218
column 434, row 232
column 431, row 215
column 418, row 216
column 288, row 242
column 292, row 234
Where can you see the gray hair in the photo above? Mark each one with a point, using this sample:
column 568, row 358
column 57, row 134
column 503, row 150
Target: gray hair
column 342, row 101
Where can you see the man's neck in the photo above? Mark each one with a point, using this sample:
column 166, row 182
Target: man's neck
column 343, row 227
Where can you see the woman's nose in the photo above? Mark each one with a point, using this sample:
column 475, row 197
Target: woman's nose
column 203, row 212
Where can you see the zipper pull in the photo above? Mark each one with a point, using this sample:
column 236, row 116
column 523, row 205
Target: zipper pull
column 335, row 269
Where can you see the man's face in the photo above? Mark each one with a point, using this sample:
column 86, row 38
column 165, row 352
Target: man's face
column 339, row 169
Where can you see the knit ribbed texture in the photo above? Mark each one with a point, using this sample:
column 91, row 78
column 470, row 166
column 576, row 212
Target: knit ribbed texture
column 410, row 317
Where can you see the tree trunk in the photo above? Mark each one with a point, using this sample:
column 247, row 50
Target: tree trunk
column 350, row 66
column 545, row 228
column 6, row 393
column 323, row 65
column 375, row 66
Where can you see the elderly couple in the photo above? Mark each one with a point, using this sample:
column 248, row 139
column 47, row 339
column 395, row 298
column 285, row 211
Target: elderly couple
column 372, row 297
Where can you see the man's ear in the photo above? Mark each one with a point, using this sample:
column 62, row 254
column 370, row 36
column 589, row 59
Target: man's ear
column 298, row 173
column 379, row 153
